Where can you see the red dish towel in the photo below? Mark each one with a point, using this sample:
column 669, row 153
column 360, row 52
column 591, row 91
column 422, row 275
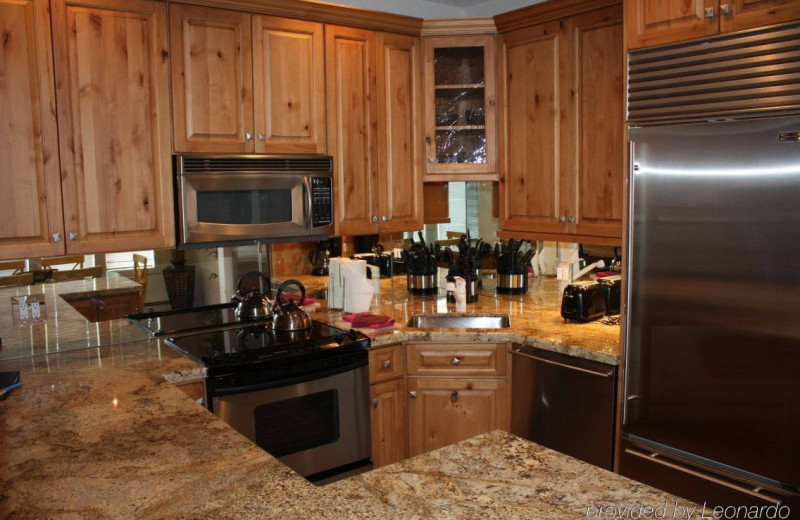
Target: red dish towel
column 293, row 296
column 366, row 320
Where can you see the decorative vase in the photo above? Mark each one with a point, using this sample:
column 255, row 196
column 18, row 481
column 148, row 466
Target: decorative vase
column 179, row 280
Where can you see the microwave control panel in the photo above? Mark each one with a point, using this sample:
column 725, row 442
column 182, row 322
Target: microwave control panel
column 322, row 200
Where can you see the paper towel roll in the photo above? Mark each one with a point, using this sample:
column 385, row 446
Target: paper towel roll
column 358, row 290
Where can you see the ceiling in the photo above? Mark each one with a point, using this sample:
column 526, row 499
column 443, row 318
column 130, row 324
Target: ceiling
column 440, row 8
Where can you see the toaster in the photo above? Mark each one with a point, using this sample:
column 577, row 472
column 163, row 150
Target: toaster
column 612, row 292
column 583, row 301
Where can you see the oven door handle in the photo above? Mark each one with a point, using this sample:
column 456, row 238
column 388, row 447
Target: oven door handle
column 220, row 392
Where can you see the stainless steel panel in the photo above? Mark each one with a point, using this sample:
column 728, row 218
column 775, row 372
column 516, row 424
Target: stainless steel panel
column 354, row 440
column 713, row 330
column 724, row 75
column 564, row 403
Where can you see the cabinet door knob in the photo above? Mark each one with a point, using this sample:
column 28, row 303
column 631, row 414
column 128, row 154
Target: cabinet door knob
column 248, row 136
column 384, row 218
column 56, row 237
column 375, row 403
column 724, row 9
column 412, row 394
column 374, row 218
column 262, row 137
column 562, row 219
column 708, row 12
column 73, row 236
column 454, row 396
column 571, row 220
column 432, row 160
column 456, row 361
column 387, row 364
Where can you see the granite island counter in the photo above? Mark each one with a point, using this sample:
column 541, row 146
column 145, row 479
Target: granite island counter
column 99, row 433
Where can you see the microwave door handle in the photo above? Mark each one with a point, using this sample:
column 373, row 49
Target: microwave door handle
column 308, row 203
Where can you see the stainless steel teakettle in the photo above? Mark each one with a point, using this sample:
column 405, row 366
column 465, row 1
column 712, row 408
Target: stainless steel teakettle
column 253, row 304
column 289, row 317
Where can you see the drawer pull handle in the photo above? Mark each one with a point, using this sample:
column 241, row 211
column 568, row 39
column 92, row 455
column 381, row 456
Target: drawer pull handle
column 454, row 396
column 375, row 403
column 456, row 361
column 387, row 364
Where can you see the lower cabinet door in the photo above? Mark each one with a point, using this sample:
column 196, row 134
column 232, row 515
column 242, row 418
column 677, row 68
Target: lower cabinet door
column 446, row 411
column 388, row 422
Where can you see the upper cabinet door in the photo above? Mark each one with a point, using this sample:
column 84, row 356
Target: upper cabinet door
column 212, row 79
column 533, row 118
column 598, row 150
column 112, row 81
column 289, row 85
column 400, row 132
column 352, row 125
column 748, row 14
column 30, row 198
column 655, row 22
column 460, row 99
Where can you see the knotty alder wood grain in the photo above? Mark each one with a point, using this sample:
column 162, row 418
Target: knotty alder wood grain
column 597, row 77
column 449, row 410
column 533, row 95
column 289, row 86
column 388, row 422
column 399, row 131
column 113, row 116
column 30, row 198
column 650, row 23
column 352, row 126
column 212, row 76
column 654, row 23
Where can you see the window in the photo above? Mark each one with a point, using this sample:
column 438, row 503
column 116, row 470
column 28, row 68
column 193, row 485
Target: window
column 124, row 261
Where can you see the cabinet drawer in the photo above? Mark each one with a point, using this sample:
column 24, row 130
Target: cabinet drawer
column 386, row 363
column 448, row 359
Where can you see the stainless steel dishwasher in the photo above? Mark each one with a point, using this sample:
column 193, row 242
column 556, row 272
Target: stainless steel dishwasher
column 564, row 403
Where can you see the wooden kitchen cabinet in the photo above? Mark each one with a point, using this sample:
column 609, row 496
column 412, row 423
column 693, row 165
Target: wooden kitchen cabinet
column 387, row 404
column 244, row 84
column 460, row 99
column 456, row 359
column 30, row 201
column 112, row 88
column 649, row 23
column 388, row 422
column 374, row 96
column 444, row 411
column 561, row 128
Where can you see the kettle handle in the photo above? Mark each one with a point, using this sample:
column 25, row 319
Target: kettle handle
column 254, row 273
column 286, row 284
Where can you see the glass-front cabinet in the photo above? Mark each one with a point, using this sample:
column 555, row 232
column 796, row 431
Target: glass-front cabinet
column 460, row 108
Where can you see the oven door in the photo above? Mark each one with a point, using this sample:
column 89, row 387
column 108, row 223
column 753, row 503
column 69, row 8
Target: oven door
column 313, row 427
column 222, row 207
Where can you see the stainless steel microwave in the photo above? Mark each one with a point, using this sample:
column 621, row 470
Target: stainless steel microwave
column 224, row 199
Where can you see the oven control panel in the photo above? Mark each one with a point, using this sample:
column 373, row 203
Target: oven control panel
column 322, row 201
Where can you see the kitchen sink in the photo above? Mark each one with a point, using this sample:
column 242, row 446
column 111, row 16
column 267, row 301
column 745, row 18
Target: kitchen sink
column 460, row 321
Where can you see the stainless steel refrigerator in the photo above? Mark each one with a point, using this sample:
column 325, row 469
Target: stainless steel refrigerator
column 711, row 407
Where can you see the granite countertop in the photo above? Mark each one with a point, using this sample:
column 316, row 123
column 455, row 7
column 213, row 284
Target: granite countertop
column 65, row 328
column 535, row 319
column 99, row 433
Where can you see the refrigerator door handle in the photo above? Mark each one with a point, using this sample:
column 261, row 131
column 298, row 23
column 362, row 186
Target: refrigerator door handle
column 657, row 459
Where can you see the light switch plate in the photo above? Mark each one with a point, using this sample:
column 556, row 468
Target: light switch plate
column 28, row 309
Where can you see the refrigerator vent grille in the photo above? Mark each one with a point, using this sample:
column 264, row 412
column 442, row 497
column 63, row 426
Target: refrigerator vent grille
column 254, row 163
column 757, row 71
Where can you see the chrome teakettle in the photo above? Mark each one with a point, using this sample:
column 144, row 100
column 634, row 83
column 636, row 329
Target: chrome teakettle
column 289, row 317
column 253, row 304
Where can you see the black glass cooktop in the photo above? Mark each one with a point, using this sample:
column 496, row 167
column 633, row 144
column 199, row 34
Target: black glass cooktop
column 258, row 343
column 189, row 321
